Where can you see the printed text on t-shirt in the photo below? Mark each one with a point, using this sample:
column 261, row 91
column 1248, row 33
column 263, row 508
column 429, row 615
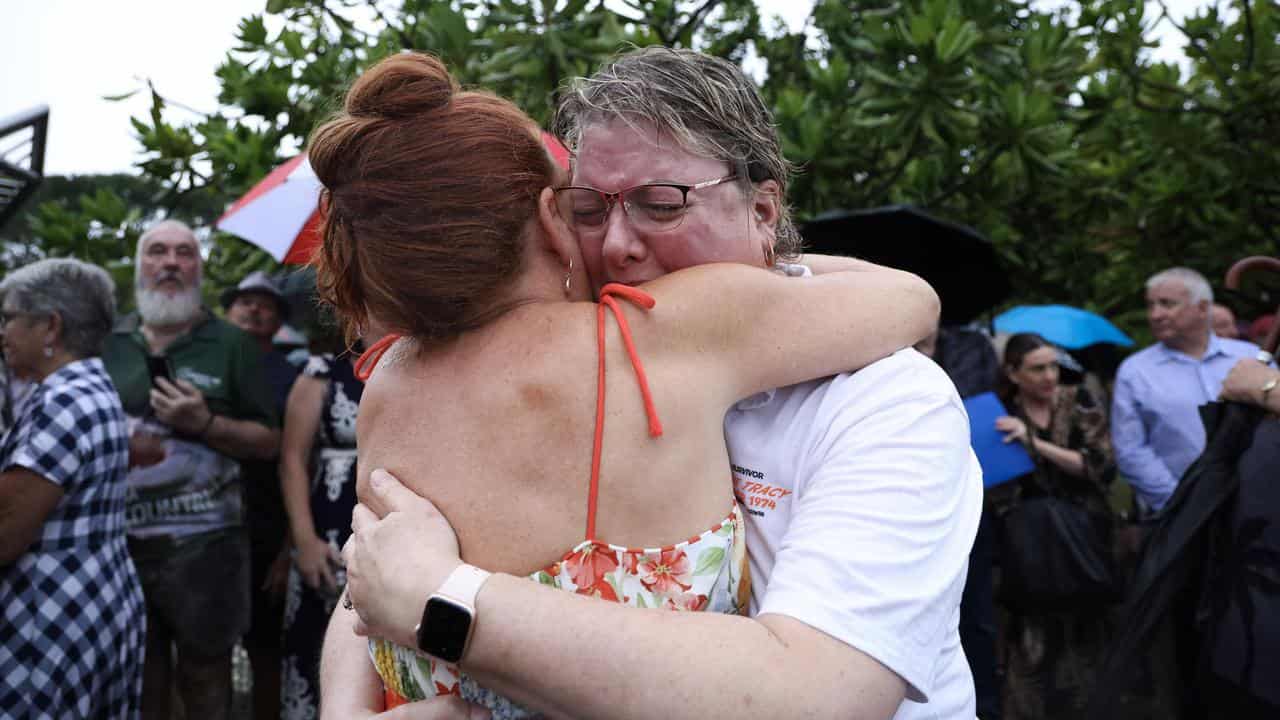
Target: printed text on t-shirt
column 756, row 496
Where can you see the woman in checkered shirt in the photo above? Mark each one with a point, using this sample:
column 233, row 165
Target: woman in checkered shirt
column 73, row 623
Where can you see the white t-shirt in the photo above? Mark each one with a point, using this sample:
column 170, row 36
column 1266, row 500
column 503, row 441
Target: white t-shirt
column 862, row 499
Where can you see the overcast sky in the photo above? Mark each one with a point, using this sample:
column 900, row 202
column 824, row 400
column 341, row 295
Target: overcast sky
column 68, row 54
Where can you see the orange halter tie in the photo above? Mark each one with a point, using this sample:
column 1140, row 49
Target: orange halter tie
column 641, row 299
column 368, row 359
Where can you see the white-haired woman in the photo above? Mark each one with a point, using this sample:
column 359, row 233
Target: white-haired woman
column 69, row 594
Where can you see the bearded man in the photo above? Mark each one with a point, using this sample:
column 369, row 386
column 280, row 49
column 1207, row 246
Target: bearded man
column 194, row 390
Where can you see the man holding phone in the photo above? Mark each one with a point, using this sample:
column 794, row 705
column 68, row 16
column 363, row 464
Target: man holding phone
column 193, row 388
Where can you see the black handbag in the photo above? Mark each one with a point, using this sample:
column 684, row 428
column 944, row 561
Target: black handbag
column 1055, row 554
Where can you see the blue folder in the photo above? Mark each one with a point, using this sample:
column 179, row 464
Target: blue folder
column 1000, row 461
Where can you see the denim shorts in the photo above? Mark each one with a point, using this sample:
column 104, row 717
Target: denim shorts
column 196, row 588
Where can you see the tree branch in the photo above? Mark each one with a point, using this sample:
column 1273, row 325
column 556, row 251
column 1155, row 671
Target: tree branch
column 1193, row 42
column 896, row 173
column 1247, row 11
column 1263, row 190
column 960, row 184
column 696, row 19
column 1197, row 105
column 406, row 40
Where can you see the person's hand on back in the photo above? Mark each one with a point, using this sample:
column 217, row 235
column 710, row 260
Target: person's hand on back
column 389, row 587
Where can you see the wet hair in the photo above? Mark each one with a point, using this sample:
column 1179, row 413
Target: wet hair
column 427, row 193
column 83, row 295
column 1016, row 349
column 707, row 104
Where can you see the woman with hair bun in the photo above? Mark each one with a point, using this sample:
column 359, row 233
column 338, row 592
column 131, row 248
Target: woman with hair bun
column 1049, row 654
column 448, row 225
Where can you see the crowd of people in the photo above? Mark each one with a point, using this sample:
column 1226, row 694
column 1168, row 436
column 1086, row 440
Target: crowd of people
column 439, row 515
column 145, row 528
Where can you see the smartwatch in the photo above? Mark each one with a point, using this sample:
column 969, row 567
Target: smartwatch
column 450, row 615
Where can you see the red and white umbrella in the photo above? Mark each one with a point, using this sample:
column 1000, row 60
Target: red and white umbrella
column 281, row 214
column 558, row 151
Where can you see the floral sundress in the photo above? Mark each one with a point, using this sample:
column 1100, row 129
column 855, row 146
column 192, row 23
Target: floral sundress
column 705, row 573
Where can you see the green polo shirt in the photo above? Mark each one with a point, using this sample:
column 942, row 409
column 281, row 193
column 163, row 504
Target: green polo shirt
column 216, row 356
column 193, row 489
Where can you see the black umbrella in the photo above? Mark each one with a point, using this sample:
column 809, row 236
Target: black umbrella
column 958, row 261
column 1170, row 576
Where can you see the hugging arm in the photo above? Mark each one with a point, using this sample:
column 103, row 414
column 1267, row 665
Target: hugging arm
column 809, row 654
column 349, row 684
column 529, row 642
column 823, row 264
column 772, row 331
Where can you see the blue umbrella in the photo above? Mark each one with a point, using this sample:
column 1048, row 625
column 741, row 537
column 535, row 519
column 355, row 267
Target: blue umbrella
column 1062, row 325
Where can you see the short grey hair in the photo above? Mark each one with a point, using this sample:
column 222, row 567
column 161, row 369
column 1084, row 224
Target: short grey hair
column 705, row 103
column 83, row 295
column 1195, row 283
column 161, row 226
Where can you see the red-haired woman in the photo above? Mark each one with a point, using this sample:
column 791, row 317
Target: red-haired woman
column 444, row 228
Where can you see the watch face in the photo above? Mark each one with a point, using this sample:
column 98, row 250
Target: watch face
column 444, row 629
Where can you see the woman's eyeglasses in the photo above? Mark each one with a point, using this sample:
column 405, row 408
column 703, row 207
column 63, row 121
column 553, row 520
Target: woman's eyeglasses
column 653, row 207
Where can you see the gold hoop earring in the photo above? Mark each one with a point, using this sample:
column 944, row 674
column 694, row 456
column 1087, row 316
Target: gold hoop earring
column 770, row 257
column 568, row 277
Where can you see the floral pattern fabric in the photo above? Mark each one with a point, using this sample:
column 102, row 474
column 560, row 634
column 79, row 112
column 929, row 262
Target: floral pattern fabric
column 706, row 573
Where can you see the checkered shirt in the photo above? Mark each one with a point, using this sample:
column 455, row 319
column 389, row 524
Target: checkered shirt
column 72, row 623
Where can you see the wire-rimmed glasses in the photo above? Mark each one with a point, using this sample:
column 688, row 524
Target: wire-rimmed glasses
column 652, row 207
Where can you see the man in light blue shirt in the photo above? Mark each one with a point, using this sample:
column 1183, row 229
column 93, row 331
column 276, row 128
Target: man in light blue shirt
column 1155, row 418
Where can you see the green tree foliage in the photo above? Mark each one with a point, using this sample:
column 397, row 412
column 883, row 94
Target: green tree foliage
column 97, row 218
column 1053, row 131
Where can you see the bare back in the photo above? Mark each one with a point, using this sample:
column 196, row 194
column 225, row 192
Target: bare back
column 496, row 429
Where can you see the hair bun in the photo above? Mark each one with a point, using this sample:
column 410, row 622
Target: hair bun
column 400, row 86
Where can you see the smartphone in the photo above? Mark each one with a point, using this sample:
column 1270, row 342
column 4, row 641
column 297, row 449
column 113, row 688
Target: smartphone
column 158, row 367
